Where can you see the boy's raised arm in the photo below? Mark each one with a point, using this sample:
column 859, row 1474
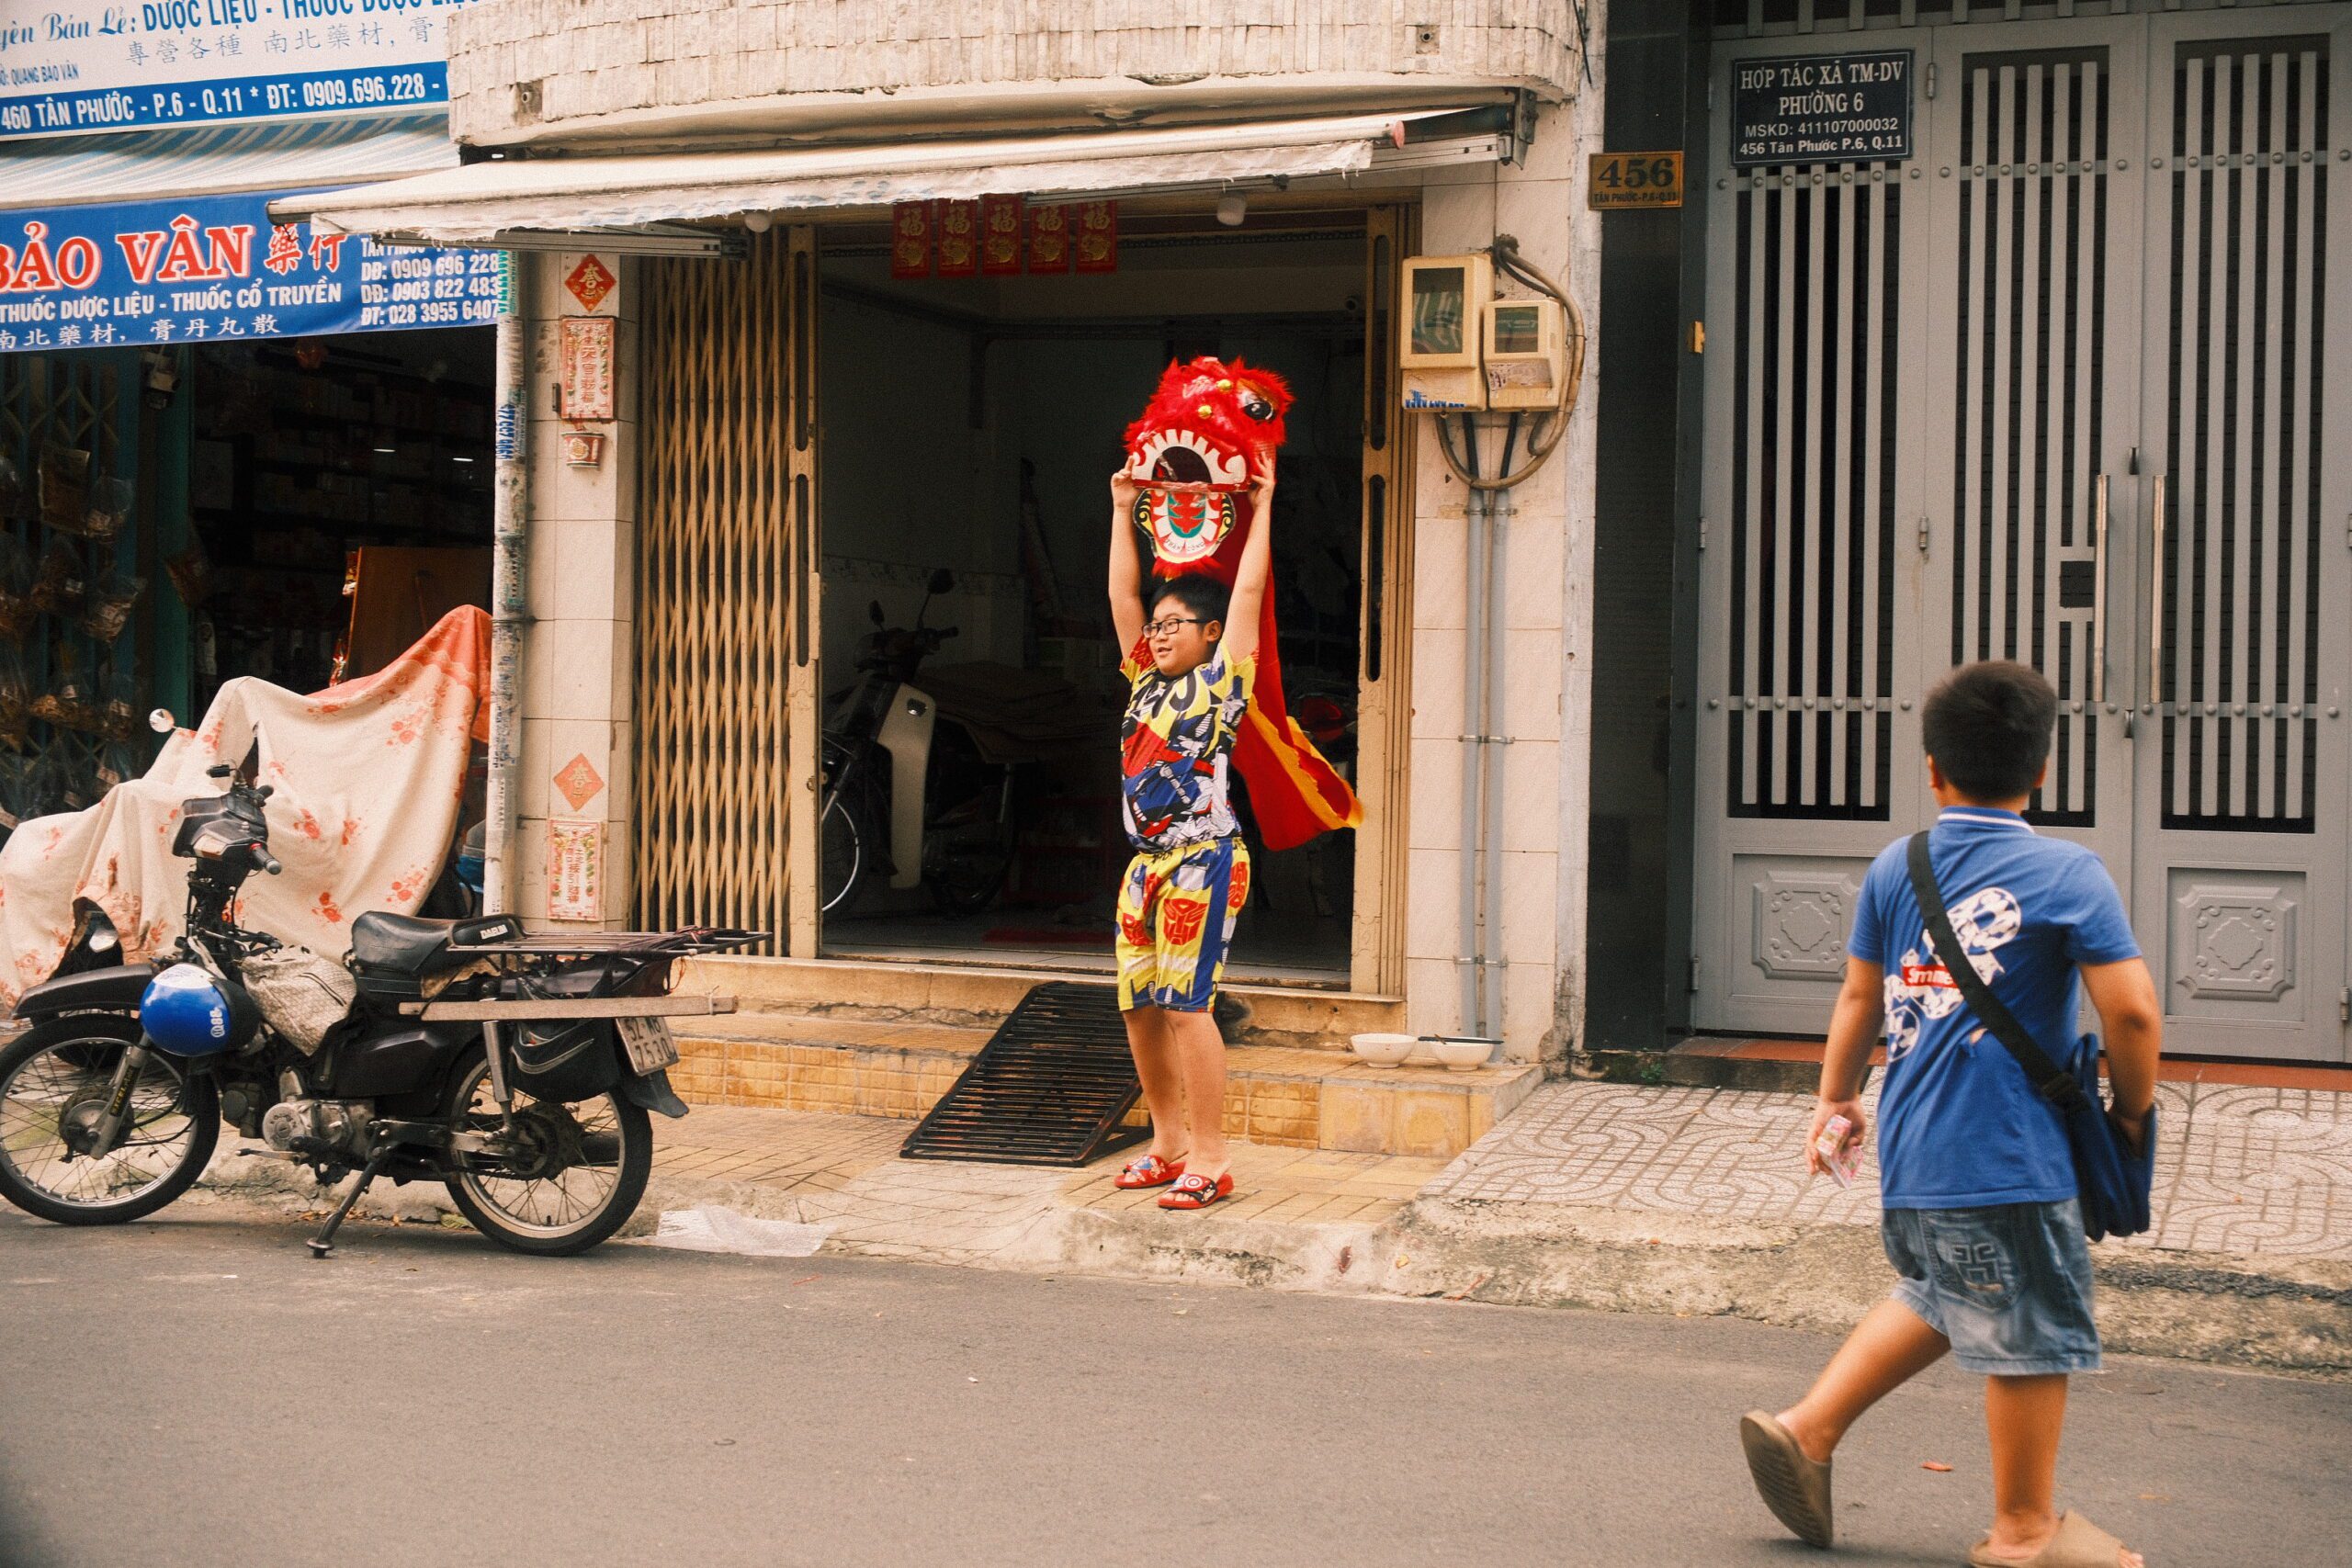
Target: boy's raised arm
column 1126, row 569
column 1244, row 613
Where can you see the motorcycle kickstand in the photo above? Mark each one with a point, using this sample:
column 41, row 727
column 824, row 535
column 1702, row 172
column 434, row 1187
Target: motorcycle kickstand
column 323, row 1244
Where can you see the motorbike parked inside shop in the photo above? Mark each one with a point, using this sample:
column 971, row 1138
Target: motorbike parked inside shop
column 516, row 1069
column 906, row 795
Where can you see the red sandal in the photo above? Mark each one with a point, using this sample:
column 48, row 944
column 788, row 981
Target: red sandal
column 1198, row 1191
column 1148, row 1171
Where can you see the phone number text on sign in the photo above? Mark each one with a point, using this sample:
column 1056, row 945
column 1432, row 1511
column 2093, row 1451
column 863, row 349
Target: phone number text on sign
column 1821, row 108
column 98, row 65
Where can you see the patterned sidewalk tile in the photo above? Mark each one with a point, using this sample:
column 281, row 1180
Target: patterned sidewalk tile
column 2238, row 1169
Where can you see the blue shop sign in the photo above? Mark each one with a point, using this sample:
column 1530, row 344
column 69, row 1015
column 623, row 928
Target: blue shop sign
column 84, row 65
column 217, row 268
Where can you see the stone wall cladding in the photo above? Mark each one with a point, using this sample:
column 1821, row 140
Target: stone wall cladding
column 601, row 57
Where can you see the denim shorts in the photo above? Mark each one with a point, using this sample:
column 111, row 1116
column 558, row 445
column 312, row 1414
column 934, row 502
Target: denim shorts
column 2009, row 1285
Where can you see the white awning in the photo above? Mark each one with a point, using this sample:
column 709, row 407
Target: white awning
column 82, row 170
column 507, row 202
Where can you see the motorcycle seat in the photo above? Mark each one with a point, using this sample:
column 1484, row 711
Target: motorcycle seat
column 401, row 944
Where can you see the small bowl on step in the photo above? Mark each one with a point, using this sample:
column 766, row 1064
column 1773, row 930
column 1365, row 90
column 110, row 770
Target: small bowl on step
column 1461, row 1056
column 1382, row 1050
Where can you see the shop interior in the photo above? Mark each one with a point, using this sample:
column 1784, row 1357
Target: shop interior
column 340, row 489
column 969, row 428
column 298, row 510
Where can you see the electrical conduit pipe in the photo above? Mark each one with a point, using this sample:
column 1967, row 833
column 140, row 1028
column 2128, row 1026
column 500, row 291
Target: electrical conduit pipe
column 509, row 611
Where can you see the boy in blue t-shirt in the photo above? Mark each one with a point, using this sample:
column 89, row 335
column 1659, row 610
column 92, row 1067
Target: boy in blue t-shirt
column 1980, row 1218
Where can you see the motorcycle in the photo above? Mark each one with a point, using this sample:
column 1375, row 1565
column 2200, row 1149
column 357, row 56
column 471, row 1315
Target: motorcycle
column 519, row 1070
column 887, row 760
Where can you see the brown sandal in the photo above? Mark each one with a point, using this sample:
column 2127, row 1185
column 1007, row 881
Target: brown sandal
column 2077, row 1544
column 1794, row 1484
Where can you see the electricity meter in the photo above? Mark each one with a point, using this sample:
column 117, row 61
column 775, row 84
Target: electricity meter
column 1526, row 358
column 1442, row 310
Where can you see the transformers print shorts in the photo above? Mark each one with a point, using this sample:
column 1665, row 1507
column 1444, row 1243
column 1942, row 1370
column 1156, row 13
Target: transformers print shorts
column 1176, row 914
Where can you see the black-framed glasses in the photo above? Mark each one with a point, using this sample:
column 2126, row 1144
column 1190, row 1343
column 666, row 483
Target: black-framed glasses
column 1170, row 623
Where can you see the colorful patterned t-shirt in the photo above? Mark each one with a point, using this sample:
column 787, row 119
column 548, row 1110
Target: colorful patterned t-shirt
column 1175, row 747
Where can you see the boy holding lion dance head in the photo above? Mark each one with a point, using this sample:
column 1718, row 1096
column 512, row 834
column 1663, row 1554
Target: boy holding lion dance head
column 1204, row 696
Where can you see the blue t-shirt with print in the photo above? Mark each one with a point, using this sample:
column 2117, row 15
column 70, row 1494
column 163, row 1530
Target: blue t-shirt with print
column 1960, row 1125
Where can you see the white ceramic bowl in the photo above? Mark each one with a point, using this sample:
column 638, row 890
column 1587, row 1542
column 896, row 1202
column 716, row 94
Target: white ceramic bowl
column 1382, row 1050
column 1461, row 1056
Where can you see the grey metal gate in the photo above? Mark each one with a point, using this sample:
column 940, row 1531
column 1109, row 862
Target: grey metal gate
column 1948, row 398
column 2239, row 883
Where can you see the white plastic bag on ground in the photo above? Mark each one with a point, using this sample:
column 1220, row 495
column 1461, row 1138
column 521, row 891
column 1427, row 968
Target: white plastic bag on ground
column 713, row 1229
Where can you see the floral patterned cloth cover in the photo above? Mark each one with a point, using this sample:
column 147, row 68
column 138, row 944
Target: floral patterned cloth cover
column 368, row 777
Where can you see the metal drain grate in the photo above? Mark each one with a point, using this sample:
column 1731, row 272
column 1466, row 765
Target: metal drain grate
column 1050, row 1086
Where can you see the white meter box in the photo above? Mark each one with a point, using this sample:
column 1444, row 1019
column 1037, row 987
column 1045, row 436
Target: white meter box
column 1526, row 354
column 1443, row 308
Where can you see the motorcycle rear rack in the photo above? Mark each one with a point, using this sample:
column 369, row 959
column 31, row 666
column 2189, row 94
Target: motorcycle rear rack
column 470, row 1011
column 622, row 944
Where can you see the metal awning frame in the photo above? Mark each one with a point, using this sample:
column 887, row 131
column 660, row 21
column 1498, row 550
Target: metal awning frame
column 1424, row 138
column 638, row 240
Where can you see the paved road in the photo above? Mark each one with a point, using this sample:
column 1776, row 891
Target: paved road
column 195, row 1390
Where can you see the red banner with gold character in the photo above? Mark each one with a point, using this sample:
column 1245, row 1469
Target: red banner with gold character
column 959, row 239
column 1000, row 234
column 910, row 240
column 1095, row 237
column 1049, row 239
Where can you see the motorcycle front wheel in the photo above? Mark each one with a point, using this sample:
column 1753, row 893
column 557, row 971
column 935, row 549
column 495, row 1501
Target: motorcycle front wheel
column 56, row 1080
column 576, row 1174
column 840, row 856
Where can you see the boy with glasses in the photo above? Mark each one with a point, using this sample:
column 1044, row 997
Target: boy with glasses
column 1192, row 659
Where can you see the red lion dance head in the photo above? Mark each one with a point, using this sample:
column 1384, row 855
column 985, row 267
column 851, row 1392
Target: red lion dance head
column 1207, row 435
column 1210, row 430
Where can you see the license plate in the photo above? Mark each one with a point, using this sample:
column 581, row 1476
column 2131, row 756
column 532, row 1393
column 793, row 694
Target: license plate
column 648, row 1044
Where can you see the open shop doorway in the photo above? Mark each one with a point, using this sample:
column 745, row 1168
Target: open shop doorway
column 968, row 429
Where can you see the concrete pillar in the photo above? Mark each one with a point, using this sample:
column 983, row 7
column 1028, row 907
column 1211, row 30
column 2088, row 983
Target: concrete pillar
column 1547, row 610
column 580, row 656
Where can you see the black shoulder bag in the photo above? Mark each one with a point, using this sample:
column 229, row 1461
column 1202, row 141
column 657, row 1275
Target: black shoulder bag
column 2112, row 1180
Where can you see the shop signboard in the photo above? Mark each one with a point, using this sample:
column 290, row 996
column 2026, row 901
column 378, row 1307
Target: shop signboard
column 75, row 66
column 216, row 268
column 1853, row 107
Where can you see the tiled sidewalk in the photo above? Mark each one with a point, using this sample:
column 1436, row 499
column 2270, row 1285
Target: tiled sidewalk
column 2239, row 1168
column 844, row 1172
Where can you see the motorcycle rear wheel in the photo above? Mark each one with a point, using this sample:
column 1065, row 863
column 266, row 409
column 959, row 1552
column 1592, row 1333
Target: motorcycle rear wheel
column 551, row 1216
column 61, row 1063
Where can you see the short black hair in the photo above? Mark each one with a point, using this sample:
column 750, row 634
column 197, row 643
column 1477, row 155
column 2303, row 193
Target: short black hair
column 1988, row 726
column 1205, row 597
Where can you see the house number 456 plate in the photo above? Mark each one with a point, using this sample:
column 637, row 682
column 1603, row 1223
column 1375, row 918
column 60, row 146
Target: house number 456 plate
column 1635, row 179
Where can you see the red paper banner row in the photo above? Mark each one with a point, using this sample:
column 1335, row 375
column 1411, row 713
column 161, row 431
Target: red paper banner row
column 1002, row 234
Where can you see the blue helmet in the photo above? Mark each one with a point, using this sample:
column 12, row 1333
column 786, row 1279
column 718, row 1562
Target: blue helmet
column 189, row 1013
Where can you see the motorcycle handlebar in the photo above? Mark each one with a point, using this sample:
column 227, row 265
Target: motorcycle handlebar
column 268, row 862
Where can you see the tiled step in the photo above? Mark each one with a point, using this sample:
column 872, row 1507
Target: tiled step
column 939, row 993
column 1274, row 1094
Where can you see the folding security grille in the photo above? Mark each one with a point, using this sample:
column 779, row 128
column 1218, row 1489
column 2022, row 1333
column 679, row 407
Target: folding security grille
column 2028, row 385
column 1812, row 601
column 2238, row 663
column 719, row 612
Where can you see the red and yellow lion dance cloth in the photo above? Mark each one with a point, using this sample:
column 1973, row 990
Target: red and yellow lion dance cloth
column 1209, row 431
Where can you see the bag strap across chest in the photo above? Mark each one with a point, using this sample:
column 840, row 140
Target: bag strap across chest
column 2055, row 1083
